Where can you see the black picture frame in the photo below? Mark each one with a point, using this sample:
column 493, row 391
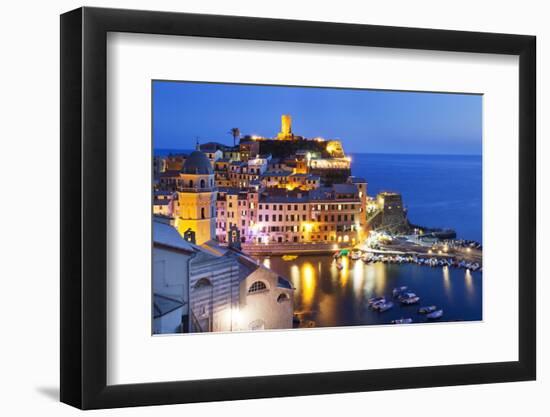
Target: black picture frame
column 84, row 207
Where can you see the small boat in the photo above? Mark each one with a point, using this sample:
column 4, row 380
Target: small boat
column 374, row 300
column 405, row 294
column 435, row 315
column 399, row 290
column 402, row 321
column 427, row 309
column 381, row 307
column 410, row 300
column 355, row 255
column 289, row 257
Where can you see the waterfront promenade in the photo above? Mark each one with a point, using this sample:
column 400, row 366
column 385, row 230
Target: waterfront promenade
column 402, row 249
column 312, row 248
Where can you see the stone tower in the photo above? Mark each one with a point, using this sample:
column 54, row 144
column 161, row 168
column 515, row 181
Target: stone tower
column 286, row 127
column 196, row 209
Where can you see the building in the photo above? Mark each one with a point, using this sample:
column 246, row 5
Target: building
column 391, row 213
column 362, row 185
column 212, row 150
column 248, row 149
column 165, row 202
column 280, row 215
column 174, row 162
column 331, row 170
column 209, row 288
column 196, row 190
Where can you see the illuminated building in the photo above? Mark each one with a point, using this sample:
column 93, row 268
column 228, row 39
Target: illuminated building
column 196, row 198
column 361, row 184
column 335, row 149
column 276, row 215
column 248, row 150
column 164, row 203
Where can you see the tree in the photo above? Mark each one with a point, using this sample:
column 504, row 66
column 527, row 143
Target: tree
column 236, row 133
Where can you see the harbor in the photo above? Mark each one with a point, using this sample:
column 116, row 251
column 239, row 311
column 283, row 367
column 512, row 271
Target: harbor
column 326, row 296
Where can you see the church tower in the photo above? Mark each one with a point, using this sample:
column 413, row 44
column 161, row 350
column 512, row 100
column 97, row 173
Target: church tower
column 196, row 210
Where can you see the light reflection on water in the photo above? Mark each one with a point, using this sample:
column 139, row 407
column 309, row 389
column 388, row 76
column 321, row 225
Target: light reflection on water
column 332, row 297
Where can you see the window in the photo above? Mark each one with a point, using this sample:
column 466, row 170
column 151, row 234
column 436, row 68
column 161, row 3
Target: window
column 202, row 283
column 202, row 213
column 257, row 286
column 282, row 298
column 202, row 184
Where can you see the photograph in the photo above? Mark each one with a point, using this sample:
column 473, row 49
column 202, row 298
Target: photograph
column 296, row 207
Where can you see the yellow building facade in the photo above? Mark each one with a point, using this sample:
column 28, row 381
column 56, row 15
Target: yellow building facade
column 196, row 208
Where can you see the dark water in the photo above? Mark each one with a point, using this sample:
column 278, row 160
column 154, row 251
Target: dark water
column 438, row 190
column 332, row 297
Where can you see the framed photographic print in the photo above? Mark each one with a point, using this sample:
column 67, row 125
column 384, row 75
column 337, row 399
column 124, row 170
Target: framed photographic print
column 258, row 207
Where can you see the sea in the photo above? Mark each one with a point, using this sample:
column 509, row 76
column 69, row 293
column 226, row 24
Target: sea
column 438, row 190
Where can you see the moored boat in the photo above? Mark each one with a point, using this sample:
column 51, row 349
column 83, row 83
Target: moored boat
column 381, row 307
column 427, row 309
column 407, row 320
column 435, row 315
column 398, row 290
column 410, row 300
column 374, row 300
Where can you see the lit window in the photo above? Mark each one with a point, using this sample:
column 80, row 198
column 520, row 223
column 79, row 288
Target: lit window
column 257, row 286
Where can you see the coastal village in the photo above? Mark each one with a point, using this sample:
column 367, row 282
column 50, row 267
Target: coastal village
column 218, row 207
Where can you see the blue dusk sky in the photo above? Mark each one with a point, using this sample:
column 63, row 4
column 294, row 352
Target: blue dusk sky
column 367, row 121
